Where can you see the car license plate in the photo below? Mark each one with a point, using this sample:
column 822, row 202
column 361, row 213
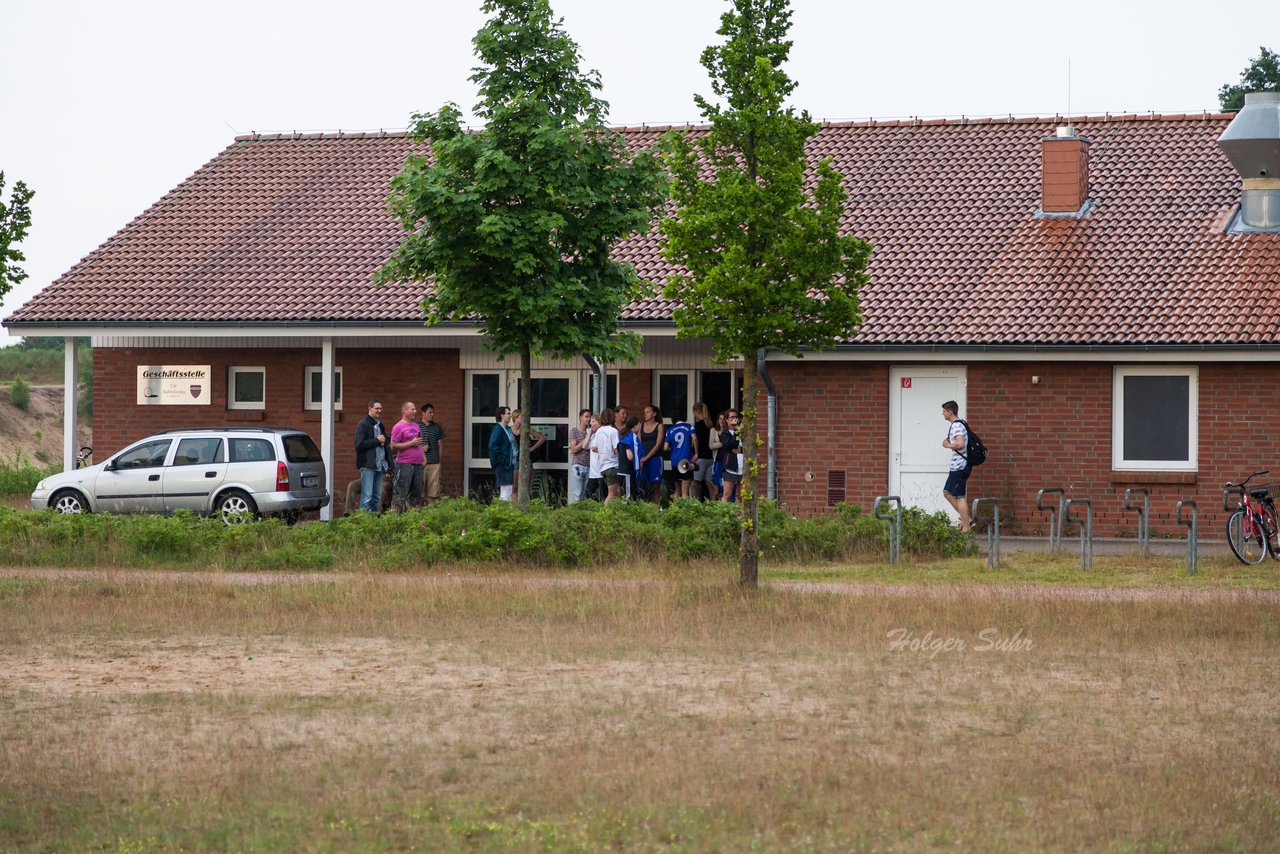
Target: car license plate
column 311, row 480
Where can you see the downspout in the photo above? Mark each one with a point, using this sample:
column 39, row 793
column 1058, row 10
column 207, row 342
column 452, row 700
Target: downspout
column 772, row 448
column 599, row 383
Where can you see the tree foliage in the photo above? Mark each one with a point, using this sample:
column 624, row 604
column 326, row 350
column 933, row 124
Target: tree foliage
column 1261, row 75
column 15, row 220
column 513, row 224
column 764, row 263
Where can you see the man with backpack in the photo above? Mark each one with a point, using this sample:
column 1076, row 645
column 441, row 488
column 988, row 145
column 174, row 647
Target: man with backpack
column 957, row 441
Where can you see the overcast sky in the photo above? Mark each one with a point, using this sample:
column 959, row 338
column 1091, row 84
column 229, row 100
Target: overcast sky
column 107, row 105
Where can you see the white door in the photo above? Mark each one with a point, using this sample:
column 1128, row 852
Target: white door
column 918, row 464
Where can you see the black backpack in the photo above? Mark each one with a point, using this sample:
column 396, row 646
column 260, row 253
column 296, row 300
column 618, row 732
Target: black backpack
column 975, row 450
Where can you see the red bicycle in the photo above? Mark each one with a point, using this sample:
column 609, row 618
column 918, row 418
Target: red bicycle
column 1253, row 529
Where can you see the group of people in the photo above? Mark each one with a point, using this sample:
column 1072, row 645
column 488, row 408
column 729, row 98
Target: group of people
column 614, row 454
column 504, row 449
column 409, row 455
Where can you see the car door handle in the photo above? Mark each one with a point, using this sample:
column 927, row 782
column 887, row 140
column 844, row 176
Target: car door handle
column 211, row 474
column 153, row 477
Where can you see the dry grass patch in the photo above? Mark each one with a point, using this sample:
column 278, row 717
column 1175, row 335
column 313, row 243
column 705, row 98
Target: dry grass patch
column 503, row 714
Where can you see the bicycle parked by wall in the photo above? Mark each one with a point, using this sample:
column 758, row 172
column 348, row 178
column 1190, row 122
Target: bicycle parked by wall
column 1253, row 528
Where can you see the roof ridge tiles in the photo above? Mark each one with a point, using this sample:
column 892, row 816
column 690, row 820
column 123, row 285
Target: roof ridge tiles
column 907, row 121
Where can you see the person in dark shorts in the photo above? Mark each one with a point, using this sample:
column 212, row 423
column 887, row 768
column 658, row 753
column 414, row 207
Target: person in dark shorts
column 957, row 478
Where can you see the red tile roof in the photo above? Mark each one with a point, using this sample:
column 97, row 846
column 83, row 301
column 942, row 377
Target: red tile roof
column 280, row 228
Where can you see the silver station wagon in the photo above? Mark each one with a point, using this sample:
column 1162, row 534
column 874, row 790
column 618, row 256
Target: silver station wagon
column 236, row 473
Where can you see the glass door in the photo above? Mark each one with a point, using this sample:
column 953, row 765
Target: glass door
column 484, row 396
column 672, row 391
column 551, row 411
column 718, row 391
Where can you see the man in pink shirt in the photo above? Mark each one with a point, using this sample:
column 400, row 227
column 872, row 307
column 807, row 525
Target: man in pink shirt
column 406, row 444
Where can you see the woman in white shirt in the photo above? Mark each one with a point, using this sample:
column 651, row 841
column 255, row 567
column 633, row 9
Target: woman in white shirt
column 604, row 452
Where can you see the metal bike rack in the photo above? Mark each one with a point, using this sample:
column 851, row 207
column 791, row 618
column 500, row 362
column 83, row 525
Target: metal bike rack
column 1228, row 504
column 1192, row 532
column 894, row 518
column 993, row 529
column 1144, row 516
column 1086, row 529
column 1056, row 514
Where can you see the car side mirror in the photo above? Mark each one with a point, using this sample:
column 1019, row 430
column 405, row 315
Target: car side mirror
column 111, row 466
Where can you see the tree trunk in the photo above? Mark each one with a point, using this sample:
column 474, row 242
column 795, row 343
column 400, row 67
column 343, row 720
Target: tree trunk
column 748, row 497
column 524, row 476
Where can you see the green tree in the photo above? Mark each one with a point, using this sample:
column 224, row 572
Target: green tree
column 513, row 224
column 1262, row 75
column 764, row 262
column 15, row 219
column 20, row 394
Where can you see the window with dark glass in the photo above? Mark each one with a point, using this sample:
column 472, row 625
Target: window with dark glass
column 1154, row 411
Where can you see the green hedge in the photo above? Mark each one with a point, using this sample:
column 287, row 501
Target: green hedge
column 463, row 531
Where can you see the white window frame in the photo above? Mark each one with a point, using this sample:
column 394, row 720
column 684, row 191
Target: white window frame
column 307, row 402
column 691, row 390
column 232, row 403
column 1118, row 462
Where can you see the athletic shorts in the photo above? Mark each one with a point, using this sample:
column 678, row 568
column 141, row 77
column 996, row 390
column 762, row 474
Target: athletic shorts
column 956, row 482
column 733, row 476
column 610, row 476
column 703, row 471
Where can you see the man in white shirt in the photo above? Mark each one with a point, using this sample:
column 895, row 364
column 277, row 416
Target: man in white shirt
column 957, row 438
column 604, row 453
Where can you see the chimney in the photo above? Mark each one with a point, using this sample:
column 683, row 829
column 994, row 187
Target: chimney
column 1064, row 173
column 1252, row 144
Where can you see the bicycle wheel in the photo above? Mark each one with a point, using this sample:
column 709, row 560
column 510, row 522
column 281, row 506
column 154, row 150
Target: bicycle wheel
column 1272, row 523
column 1246, row 538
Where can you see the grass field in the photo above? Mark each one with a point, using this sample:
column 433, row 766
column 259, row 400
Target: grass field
column 430, row 712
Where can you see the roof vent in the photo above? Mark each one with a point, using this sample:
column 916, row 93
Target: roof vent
column 1252, row 144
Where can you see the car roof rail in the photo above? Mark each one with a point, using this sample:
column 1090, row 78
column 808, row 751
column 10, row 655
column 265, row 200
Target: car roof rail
column 217, row 430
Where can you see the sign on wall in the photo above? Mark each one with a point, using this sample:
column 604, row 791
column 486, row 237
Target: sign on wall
column 174, row 385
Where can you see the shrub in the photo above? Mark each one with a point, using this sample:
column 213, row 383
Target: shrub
column 20, row 394
column 461, row 530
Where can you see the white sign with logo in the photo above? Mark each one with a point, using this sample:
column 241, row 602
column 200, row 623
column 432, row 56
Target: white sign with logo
column 174, row 385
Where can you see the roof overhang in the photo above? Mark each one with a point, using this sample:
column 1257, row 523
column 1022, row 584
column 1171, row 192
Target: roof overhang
column 279, row 329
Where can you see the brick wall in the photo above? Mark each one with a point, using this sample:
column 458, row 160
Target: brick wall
column 834, row 416
column 424, row 376
column 635, row 389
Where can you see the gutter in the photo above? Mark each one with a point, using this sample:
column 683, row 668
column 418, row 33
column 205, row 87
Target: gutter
column 599, row 383
column 772, row 447
column 277, row 324
column 55, row 327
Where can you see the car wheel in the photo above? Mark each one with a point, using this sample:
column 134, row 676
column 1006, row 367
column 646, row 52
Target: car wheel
column 235, row 508
column 68, row 502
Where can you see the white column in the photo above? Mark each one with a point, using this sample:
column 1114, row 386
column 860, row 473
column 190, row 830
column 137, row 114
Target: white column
column 70, row 417
column 326, row 422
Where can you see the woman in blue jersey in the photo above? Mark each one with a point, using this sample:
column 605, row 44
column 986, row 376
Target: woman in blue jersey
column 682, row 446
column 629, row 452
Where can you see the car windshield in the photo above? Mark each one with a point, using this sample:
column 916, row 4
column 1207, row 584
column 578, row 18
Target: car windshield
column 299, row 448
